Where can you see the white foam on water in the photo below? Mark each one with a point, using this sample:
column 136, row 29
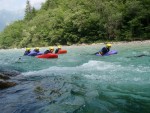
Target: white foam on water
column 96, row 70
column 86, row 67
column 99, row 65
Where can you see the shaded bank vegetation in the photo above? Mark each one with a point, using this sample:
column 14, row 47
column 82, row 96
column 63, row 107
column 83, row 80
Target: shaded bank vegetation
column 69, row 22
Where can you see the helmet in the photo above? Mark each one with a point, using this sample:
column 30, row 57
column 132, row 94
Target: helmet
column 59, row 46
column 51, row 48
column 37, row 48
column 108, row 45
column 28, row 49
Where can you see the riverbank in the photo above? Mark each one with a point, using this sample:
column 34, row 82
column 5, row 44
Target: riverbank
column 118, row 43
column 102, row 43
column 112, row 42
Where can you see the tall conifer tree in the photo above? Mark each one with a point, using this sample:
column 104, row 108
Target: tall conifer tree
column 28, row 11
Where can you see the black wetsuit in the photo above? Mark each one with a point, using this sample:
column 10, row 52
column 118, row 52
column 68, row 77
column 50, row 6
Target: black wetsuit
column 37, row 51
column 47, row 51
column 26, row 52
column 104, row 50
column 57, row 50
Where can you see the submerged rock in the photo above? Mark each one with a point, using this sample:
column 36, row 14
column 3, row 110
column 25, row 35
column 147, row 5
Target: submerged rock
column 5, row 84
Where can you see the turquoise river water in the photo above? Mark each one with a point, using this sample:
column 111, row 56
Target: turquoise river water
column 79, row 82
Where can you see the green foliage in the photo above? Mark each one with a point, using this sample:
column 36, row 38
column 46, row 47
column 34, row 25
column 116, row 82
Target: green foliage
column 136, row 20
column 12, row 35
column 30, row 11
column 79, row 21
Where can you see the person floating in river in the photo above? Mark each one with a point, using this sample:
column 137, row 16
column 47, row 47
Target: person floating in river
column 138, row 56
column 57, row 50
column 37, row 50
column 104, row 50
column 51, row 49
column 28, row 50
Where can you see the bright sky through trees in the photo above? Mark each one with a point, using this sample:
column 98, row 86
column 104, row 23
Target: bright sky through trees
column 15, row 5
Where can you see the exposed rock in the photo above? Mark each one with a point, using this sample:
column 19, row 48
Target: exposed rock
column 4, row 77
column 10, row 73
column 5, row 84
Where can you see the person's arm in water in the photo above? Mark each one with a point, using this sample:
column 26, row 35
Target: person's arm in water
column 137, row 56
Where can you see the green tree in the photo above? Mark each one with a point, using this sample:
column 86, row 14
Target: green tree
column 79, row 21
column 28, row 11
column 33, row 12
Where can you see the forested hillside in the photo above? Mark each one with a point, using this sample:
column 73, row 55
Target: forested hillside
column 69, row 22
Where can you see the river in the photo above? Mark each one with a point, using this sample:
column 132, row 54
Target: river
column 79, row 82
